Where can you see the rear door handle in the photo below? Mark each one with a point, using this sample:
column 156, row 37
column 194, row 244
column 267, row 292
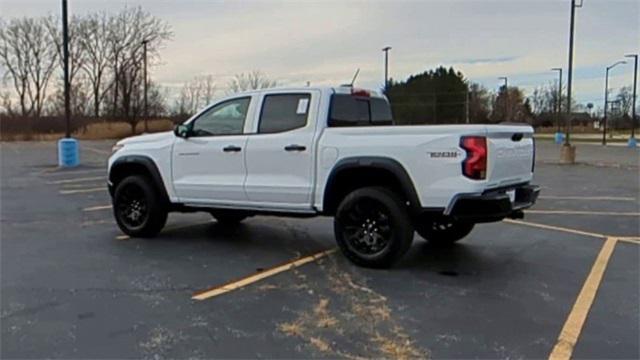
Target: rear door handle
column 295, row 147
column 232, row 148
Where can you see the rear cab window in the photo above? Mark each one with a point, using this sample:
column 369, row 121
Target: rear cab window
column 349, row 110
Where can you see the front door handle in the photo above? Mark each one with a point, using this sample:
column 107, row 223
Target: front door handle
column 232, row 148
column 295, row 147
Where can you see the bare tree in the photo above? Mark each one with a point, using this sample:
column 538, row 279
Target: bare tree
column 625, row 98
column 28, row 54
column 544, row 99
column 127, row 32
column 195, row 94
column 209, row 88
column 94, row 42
column 77, row 59
column 250, row 81
column 6, row 105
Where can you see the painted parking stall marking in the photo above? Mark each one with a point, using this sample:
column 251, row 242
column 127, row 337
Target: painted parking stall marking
column 588, row 198
column 578, row 315
column 240, row 283
column 78, row 180
column 580, row 212
column 97, row 208
column 82, row 191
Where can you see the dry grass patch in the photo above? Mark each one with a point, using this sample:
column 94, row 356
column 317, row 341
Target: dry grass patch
column 95, row 131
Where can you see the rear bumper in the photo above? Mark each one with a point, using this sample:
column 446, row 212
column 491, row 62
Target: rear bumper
column 493, row 205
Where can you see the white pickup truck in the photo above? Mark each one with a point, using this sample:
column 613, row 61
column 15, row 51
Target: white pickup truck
column 326, row 151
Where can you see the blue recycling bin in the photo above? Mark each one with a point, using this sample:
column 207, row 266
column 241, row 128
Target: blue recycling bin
column 68, row 152
column 559, row 137
column 632, row 143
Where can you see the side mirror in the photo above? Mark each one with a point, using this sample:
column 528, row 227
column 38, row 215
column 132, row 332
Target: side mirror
column 182, row 131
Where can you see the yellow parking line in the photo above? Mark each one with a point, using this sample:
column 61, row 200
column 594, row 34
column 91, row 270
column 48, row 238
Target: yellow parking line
column 58, row 171
column 71, row 181
column 589, row 198
column 79, row 191
column 574, row 323
column 557, row 228
column 219, row 290
column 580, row 212
column 98, row 151
column 97, row 208
column 632, row 240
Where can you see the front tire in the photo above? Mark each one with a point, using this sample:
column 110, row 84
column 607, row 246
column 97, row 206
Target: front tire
column 443, row 231
column 137, row 207
column 372, row 227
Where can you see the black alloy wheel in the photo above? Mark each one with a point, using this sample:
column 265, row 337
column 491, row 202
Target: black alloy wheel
column 372, row 227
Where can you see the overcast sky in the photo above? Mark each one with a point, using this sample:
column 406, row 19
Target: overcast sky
column 324, row 42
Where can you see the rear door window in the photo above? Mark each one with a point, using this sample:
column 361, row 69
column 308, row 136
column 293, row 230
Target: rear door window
column 284, row 112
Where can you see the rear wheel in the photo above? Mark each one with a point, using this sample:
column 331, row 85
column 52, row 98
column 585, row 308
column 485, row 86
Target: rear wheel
column 137, row 207
column 442, row 230
column 372, row 227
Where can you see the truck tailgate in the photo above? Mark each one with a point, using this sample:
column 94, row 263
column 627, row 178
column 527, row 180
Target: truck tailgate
column 510, row 155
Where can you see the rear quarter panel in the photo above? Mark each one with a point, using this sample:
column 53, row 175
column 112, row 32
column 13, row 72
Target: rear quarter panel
column 431, row 155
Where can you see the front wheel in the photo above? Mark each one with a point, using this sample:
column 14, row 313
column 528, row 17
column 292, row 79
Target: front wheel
column 137, row 208
column 372, row 227
column 442, row 230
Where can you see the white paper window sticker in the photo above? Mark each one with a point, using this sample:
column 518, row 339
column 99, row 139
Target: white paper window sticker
column 303, row 106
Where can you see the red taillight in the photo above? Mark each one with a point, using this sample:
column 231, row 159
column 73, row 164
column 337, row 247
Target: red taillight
column 475, row 165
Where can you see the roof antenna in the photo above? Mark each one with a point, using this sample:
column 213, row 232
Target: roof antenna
column 354, row 77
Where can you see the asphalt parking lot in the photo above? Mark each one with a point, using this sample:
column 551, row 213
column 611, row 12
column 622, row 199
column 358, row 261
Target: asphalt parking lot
column 563, row 282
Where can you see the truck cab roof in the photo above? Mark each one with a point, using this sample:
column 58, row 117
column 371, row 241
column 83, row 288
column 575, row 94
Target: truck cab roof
column 324, row 89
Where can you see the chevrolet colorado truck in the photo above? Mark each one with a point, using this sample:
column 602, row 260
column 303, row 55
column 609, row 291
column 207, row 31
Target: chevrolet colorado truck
column 326, row 152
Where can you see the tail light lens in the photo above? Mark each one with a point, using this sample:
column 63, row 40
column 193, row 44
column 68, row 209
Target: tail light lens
column 475, row 165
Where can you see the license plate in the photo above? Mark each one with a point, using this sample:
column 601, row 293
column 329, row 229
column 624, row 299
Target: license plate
column 512, row 195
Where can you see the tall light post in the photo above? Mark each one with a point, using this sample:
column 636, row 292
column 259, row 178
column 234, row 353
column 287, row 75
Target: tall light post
column 146, row 83
column 568, row 152
column 632, row 139
column 65, row 60
column 386, row 67
column 506, row 96
column 606, row 100
column 68, row 149
column 558, row 136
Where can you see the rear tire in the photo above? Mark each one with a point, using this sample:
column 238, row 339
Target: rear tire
column 137, row 207
column 443, row 231
column 372, row 227
column 230, row 217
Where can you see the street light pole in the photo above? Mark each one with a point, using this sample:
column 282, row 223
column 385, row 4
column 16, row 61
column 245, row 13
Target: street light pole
column 632, row 139
column 146, row 109
column 606, row 100
column 558, row 104
column 570, row 71
column 506, row 96
column 386, row 67
column 65, row 54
